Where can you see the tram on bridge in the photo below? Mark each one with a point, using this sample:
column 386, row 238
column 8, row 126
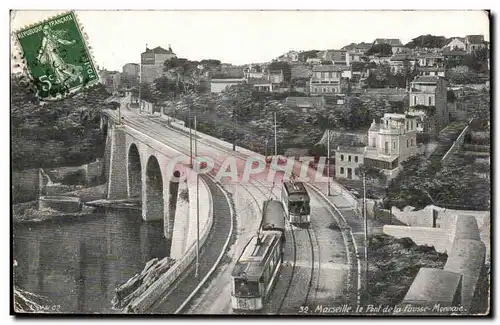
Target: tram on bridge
column 296, row 202
column 257, row 269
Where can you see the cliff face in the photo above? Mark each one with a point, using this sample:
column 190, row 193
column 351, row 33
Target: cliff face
column 58, row 133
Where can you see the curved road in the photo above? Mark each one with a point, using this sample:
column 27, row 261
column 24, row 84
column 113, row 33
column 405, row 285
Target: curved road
column 320, row 272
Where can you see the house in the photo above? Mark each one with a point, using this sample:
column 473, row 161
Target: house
column 400, row 63
column 131, row 69
column 338, row 57
column 380, row 58
column 395, row 43
column 219, row 85
column 261, row 85
column 347, row 161
column 430, row 60
column 300, row 71
column 276, row 76
column 291, row 56
column 306, row 102
column 474, row 42
column 254, row 72
column 453, row 55
column 111, row 80
column 457, row 43
column 391, row 142
column 356, row 57
column 428, row 100
column 326, row 79
column 152, row 62
column 357, row 48
column 313, row 61
column 432, row 71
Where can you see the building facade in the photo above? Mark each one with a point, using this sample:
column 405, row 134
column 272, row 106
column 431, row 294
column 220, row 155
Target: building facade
column 111, row 80
column 326, row 79
column 347, row 162
column 457, row 43
column 391, row 142
column 428, row 100
column 152, row 63
column 219, row 85
column 474, row 43
column 131, row 69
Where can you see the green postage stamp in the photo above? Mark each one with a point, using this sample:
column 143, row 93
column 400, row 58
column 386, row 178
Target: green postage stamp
column 56, row 57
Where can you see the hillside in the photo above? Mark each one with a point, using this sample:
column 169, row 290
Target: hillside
column 54, row 134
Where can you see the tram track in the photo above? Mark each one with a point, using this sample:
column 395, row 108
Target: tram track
column 314, row 262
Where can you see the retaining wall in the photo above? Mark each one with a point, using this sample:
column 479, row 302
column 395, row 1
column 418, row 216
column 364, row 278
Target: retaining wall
column 160, row 286
column 466, row 257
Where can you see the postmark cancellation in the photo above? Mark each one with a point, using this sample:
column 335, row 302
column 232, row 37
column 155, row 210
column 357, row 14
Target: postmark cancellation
column 55, row 57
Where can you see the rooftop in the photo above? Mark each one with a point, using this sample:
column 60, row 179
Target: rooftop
column 326, row 68
column 305, row 101
column 215, row 80
column 295, row 187
column 354, row 149
column 430, row 56
column 426, row 79
column 159, row 50
column 475, row 39
column 252, row 259
column 452, row 53
column 390, row 41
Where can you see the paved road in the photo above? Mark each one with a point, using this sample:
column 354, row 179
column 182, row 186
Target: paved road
column 324, row 279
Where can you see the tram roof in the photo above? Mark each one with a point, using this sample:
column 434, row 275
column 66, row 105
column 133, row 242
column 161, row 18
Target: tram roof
column 295, row 187
column 273, row 207
column 273, row 214
column 254, row 256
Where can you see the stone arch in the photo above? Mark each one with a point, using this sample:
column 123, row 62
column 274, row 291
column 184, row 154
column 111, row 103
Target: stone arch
column 174, row 186
column 153, row 200
column 134, row 169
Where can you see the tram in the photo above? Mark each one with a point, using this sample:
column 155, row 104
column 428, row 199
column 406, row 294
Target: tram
column 258, row 266
column 273, row 217
column 296, row 202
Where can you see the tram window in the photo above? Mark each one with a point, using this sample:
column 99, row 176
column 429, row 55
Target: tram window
column 246, row 288
column 301, row 207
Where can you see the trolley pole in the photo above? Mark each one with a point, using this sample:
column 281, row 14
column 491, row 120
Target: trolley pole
column 190, row 136
column 328, row 158
column 275, row 136
column 366, row 234
column 234, row 127
column 197, row 204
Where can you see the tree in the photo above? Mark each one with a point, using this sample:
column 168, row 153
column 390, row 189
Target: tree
column 303, row 56
column 187, row 74
column 284, row 67
column 129, row 81
column 372, row 173
column 462, row 75
column 428, row 41
column 357, row 116
column 382, row 49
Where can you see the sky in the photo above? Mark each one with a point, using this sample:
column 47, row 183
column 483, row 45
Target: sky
column 240, row 37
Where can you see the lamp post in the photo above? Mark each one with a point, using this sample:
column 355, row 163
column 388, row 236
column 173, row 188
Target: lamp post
column 328, row 158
